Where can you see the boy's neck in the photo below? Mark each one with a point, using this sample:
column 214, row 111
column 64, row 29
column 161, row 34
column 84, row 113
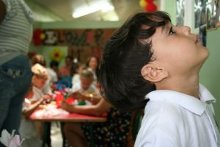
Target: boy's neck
column 184, row 85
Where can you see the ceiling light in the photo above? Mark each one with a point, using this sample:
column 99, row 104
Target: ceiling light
column 103, row 6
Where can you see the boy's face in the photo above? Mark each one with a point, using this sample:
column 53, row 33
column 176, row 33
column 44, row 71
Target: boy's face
column 85, row 82
column 178, row 50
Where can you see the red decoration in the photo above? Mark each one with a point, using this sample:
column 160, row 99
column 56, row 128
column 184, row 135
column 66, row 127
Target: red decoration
column 59, row 98
column 90, row 37
column 150, row 6
column 37, row 37
column 70, row 100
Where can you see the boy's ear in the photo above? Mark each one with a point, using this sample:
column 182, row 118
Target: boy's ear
column 153, row 73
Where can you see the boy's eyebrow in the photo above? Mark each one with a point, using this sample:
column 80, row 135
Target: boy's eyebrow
column 165, row 29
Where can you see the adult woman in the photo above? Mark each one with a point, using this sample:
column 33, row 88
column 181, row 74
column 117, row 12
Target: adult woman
column 92, row 65
column 15, row 73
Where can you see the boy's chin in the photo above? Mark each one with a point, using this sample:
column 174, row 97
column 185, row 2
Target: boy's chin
column 205, row 52
column 205, row 57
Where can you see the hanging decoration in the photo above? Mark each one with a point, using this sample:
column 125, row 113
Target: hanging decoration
column 148, row 5
column 80, row 42
column 38, row 37
column 143, row 3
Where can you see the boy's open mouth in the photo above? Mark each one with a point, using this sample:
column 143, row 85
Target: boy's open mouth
column 197, row 39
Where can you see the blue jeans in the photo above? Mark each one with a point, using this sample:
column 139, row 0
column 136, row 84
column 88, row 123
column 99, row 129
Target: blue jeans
column 15, row 79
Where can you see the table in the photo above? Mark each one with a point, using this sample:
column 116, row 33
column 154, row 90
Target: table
column 52, row 113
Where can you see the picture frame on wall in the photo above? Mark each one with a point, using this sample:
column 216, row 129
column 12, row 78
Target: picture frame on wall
column 180, row 13
column 200, row 13
column 212, row 12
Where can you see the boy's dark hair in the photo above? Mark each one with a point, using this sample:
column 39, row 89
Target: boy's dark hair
column 126, row 52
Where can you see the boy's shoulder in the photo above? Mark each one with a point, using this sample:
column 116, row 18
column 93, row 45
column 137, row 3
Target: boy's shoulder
column 163, row 111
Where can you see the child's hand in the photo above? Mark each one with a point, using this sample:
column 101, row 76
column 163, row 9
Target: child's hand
column 66, row 106
column 47, row 99
column 78, row 95
column 43, row 101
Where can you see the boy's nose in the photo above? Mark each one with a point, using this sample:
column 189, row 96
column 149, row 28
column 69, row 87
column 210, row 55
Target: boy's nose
column 186, row 30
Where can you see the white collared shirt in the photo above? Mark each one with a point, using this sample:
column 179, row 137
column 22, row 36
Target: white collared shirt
column 174, row 119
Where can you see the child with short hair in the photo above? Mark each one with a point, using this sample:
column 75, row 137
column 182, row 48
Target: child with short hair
column 86, row 83
column 113, row 132
column 151, row 63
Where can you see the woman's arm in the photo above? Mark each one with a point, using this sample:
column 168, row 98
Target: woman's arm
column 101, row 107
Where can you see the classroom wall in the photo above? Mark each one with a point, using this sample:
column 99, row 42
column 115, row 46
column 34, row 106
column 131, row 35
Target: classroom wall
column 46, row 50
column 169, row 6
column 210, row 72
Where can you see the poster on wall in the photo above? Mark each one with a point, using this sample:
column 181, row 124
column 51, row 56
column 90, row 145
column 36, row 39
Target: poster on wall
column 206, row 15
column 200, row 13
column 180, row 12
column 212, row 13
column 81, row 43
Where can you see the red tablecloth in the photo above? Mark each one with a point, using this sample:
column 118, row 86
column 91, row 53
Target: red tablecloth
column 57, row 114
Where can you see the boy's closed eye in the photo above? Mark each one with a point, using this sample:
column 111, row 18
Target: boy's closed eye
column 171, row 31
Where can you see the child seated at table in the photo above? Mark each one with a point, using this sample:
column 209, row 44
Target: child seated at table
column 113, row 132
column 85, row 86
column 34, row 97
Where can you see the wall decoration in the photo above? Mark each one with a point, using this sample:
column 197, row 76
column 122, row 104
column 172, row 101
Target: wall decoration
column 38, row 37
column 212, row 8
column 56, row 54
column 142, row 3
column 78, row 37
column 206, row 16
column 180, row 12
column 204, row 12
column 148, row 5
column 200, row 13
column 81, row 42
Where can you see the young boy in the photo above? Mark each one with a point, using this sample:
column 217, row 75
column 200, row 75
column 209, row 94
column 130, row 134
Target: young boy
column 111, row 133
column 148, row 60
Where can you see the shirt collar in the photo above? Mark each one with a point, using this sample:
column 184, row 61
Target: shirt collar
column 190, row 103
